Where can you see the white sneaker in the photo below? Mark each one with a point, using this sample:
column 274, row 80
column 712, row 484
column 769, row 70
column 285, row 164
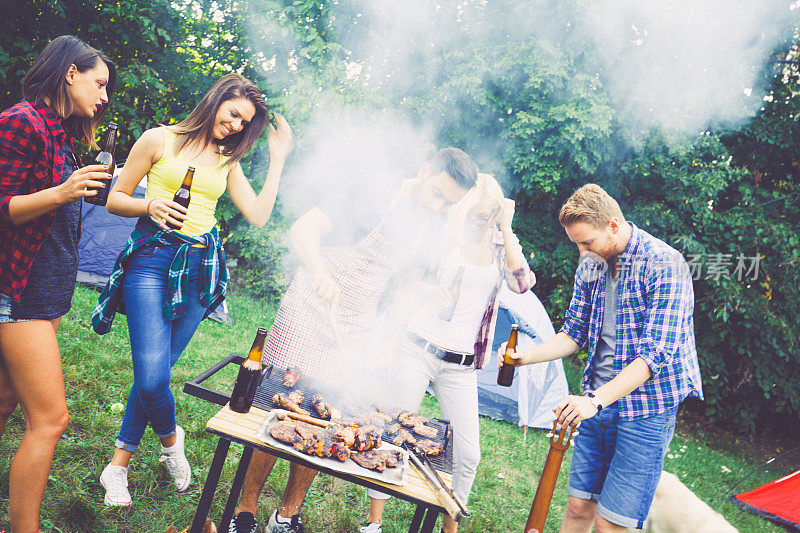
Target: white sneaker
column 370, row 527
column 176, row 463
column 295, row 525
column 115, row 480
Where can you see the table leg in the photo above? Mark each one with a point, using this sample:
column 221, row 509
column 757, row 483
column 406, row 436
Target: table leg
column 419, row 512
column 236, row 489
column 210, row 486
column 430, row 520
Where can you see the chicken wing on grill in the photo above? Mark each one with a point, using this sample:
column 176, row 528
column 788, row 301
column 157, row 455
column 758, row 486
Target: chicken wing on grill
column 402, row 437
column 430, row 447
column 284, row 401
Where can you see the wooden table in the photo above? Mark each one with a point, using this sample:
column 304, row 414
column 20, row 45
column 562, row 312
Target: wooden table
column 230, row 427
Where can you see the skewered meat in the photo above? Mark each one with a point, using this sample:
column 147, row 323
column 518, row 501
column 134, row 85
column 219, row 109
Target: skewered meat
column 285, row 402
column 426, row 431
column 367, row 438
column 297, row 396
column 430, row 447
column 346, row 435
column 393, row 429
column 322, row 408
column 291, row 377
column 404, row 436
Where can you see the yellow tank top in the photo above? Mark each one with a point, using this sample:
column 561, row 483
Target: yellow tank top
column 166, row 175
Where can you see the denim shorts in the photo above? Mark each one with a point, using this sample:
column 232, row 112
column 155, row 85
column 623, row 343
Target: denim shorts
column 617, row 463
column 5, row 310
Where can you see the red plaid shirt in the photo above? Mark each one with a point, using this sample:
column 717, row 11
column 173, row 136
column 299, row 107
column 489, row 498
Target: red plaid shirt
column 31, row 160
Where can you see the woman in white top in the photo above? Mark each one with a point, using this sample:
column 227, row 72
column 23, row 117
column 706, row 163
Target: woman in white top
column 445, row 340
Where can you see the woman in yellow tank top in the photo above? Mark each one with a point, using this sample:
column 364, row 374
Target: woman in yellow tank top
column 162, row 314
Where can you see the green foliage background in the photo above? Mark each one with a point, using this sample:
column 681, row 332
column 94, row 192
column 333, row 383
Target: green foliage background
column 529, row 111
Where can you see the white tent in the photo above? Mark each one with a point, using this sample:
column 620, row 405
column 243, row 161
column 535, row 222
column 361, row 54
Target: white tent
column 536, row 388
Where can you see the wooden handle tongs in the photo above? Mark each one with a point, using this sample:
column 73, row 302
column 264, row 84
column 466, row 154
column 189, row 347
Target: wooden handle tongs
column 450, row 501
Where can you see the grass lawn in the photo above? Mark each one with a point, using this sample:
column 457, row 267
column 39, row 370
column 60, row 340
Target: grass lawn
column 98, row 374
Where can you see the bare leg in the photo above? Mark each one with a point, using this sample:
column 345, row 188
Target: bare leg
column 33, row 365
column 604, row 526
column 8, row 398
column 257, row 473
column 376, row 507
column 449, row 525
column 300, row 479
column 579, row 517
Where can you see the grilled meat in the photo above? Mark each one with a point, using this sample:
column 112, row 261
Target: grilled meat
column 285, row 432
column 291, row 377
column 367, row 438
column 377, row 459
column 285, row 402
column 402, row 437
column 369, row 461
column 347, row 435
column 378, row 415
column 426, row 431
column 409, row 419
column 430, row 447
column 396, row 413
column 297, row 396
column 303, row 418
column 393, row 429
column 322, row 408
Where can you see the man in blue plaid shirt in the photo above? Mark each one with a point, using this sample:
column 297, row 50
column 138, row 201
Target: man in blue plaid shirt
column 631, row 307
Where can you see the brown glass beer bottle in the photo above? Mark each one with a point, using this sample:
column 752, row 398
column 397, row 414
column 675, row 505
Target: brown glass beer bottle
column 505, row 376
column 249, row 376
column 105, row 157
column 184, row 194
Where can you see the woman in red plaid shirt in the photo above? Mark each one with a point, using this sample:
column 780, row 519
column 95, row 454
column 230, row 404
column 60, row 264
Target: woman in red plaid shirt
column 66, row 94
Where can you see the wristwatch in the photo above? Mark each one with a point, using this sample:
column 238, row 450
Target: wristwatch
column 595, row 401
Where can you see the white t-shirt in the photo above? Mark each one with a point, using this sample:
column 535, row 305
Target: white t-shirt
column 458, row 334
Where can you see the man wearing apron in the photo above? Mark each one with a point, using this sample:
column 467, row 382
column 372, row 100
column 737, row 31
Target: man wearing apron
column 348, row 250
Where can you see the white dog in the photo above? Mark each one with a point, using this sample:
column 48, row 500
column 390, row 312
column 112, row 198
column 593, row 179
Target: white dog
column 676, row 509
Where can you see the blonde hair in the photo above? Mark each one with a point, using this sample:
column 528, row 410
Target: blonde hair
column 592, row 205
column 486, row 189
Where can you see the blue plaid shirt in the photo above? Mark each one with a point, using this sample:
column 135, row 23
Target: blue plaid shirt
column 654, row 322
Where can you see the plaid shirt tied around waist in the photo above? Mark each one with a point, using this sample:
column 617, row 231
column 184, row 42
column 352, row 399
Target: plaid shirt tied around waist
column 31, row 160
column 214, row 275
column 654, row 321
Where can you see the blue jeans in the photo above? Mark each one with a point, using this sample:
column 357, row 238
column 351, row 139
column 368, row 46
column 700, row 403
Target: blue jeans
column 617, row 463
column 156, row 344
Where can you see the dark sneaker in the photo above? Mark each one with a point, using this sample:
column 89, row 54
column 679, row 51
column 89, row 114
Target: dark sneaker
column 293, row 526
column 243, row 523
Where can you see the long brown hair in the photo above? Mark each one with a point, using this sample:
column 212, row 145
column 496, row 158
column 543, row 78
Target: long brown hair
column 47, row 79
column 199, row 125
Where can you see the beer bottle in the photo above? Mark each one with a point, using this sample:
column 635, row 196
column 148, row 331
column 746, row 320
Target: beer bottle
column 183, row 195
column 505, row 376
column 249, row 377
column 105, row 157
column 455, row 291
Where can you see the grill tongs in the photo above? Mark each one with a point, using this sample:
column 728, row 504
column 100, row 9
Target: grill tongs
column 452, row 503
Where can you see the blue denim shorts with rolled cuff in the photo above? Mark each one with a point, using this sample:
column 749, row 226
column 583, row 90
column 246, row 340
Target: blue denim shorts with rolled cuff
column 617, row 463
column 5, row 310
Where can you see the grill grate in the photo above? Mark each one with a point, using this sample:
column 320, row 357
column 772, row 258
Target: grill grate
column 273, row 383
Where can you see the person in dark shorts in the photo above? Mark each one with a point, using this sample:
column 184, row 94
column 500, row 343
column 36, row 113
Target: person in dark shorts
column 66, row 94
